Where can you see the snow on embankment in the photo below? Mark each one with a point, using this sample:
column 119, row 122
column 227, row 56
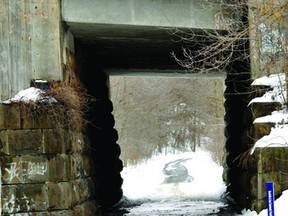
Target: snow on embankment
column 278, row 88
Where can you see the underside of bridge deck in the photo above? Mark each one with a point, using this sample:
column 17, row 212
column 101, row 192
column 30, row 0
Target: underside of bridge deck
column 139, row 34
column 130, row 47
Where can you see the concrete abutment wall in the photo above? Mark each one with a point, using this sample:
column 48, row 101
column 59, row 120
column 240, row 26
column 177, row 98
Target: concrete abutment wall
column 49, row 163
column 54, row 163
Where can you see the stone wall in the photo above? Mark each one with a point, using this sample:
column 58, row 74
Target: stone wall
column 263, row 164
column 267, row 165
column 46, row 167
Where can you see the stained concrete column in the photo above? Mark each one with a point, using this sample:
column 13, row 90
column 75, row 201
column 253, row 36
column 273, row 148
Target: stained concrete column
column 30, row 33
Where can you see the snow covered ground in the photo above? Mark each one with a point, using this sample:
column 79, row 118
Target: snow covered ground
column 144, row 184
column 281, row 207
column 147, row 180
column 197, row 194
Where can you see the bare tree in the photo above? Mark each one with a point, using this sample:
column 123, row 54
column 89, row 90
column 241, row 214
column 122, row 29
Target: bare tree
column 263, row 22
column 167, row 114
column 213, row 49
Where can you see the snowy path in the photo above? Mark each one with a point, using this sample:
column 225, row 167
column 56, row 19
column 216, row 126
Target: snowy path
column 177, row 208
column 171, row 184
column 173, row 208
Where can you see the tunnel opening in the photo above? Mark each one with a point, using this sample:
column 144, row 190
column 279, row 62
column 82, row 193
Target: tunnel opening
column 167, row 112
column 131, row 48
column 178, row 85
column 102, row 57
column 134, row 37
column 167, row 124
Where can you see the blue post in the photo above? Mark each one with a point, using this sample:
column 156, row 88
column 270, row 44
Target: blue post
column 270, row 198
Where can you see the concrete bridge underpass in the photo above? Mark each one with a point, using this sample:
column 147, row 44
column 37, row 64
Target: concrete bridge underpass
column 135, row 35
column 128, row 35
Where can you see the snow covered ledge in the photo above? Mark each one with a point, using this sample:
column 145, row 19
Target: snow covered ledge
column 278, row 136
column 32, row 94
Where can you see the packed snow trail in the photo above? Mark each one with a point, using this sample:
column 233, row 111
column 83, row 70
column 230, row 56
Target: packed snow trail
column 173, row 208
column 190, row 175
column 173, row 184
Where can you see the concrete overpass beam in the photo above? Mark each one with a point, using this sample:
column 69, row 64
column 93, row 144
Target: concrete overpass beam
column 164, row 13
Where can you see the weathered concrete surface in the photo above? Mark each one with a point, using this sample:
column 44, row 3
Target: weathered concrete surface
column 30, row 44
column 166, row 13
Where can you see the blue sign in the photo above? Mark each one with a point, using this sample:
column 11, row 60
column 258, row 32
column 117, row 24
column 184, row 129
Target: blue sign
column 270, row 198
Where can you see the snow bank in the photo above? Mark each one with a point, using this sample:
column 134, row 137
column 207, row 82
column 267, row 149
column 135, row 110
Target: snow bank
column 278, row 137
column 277, row 117
column 274, row 80
column 280, row 207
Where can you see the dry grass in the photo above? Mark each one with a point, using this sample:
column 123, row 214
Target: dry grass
column 75, row 102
